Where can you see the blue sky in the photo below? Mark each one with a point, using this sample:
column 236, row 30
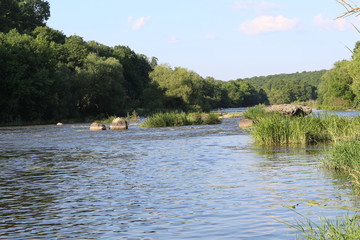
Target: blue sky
column 224, row 39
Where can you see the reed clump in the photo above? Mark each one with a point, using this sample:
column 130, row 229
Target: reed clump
column 346, row 227
column 344, row 156
column 276, row 129
column 175, row 119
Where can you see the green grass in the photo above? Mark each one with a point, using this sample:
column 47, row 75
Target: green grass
column 341, row 228
column 174, row 119
column 255, row 113
column 344, row 156
column 276, row 129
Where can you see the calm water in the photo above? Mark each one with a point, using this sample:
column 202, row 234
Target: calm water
column 196, row 182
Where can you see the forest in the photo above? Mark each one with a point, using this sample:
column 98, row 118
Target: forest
column 47, row 76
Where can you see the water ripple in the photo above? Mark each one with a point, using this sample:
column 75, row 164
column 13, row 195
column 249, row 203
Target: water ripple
column 197, row 182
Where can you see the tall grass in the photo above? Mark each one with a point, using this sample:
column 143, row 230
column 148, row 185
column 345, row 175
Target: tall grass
column 342, row 228
column 174, row 119
column 345, row 157
column 276, row 129
column 255, row 113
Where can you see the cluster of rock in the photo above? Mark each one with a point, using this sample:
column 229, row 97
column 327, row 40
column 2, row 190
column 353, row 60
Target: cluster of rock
column 116, row 124
column 289, row 109
column 285, row 109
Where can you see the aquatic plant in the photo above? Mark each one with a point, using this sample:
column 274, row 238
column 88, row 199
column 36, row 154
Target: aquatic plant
column 174, row 119
column 255, row 113
column 272, row 128
column 275, row 129
column 346, row 227
column 345, row 157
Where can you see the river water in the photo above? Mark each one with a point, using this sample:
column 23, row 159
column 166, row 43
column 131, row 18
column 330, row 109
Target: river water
column 192, row 182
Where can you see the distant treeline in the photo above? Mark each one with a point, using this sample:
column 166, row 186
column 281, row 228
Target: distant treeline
column 288, row 88
column 48, row 76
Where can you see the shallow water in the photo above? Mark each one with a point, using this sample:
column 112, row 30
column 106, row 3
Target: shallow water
column 193, row 182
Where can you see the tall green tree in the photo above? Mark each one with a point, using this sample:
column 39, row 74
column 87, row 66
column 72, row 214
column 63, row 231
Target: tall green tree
column 27, row 66
column 136, row 74
column 101, row 81
column 24, row 15
column 335, row 88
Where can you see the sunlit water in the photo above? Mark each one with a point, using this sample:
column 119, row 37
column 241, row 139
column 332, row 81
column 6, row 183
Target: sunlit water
column 193, row 182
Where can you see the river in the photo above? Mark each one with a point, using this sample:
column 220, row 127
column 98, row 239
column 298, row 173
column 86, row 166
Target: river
column 191, row 182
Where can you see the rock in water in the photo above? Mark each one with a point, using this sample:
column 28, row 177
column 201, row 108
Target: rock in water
column 119, row 124
column 97, row 127
column 290, row 109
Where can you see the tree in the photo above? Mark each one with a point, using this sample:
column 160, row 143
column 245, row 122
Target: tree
column 136, row 74
column 335, row 88
column 184, row 87
column 74, row 52
column 9, row 14
column 24, row 15
column 27, row 66
column 101, row 86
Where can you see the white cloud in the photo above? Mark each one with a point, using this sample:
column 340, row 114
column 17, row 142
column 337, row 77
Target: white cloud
column 264, row 24
column 136, row 24
column 258, row 6
column 324, row 23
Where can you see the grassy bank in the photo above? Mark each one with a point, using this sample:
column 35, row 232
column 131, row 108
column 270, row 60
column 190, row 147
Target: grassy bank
column 174, row 119
column 276, row 129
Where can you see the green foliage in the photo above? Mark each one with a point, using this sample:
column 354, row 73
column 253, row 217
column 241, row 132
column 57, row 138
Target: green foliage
column 255, row 113
column 335, row 88
column 340, row 87
column 28, row 66
column 24, row 15
column 342, row 228
column 187, row 90
column 169, row 119
column 275, row 129
column 288, row 88
column 175, row 119
column 101, row 80
column 344, row 156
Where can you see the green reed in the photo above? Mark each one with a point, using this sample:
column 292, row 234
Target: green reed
column 344, row 156
column 276, row 129
column 174, row 119
column 341, row 228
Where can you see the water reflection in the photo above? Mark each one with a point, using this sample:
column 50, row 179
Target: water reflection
column 205, row 182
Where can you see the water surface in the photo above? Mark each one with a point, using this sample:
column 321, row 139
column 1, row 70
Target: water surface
column 192, row 182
